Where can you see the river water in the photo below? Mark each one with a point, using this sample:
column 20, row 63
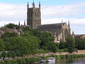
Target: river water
column 68, row 61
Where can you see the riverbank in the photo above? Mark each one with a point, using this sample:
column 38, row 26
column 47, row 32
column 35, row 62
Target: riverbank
column 36, row 59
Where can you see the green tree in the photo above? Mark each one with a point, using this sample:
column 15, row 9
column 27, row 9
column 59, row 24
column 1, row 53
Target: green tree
column 13, row 54
column 52, row 47
column 77, row 43
column 0, row 56
column 2, row 45
column 4, row 54
column 81, row 44
column 11, row 26
column 70, row 45
column 8, row 54
column 26, row 29
column 17, row 53
column 61, row 45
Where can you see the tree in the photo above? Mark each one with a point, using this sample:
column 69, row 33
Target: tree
column 2, row 45
column 7, row 35
column 81, row 44
column 0, row 56
column 61, row 45
column 52, row 47
column 13, row 54
column 11, row 26
column 26, row 29
column 8, row 54
column 77, row 43
column 4, row 55
column 17, row 53
column 70, row 45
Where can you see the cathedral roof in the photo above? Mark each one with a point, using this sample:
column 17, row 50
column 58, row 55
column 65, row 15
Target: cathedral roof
column 49, row 26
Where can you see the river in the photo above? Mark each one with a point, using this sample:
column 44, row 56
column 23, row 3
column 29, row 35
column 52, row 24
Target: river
column 68, row 61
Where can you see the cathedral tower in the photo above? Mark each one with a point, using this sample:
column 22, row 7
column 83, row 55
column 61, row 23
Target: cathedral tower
column 33, row 16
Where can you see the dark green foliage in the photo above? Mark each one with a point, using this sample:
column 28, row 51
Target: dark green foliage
column 70, row 45
column 77, row 41
column 4, row 54
column 7, row 35
column 13, row 54
column 2, row 45
column 17, row 53
column 8, row 54
column 7, row 62
column 26, row 29
column 81, row 44
column 19, row 61
column 52, row 47
column 11, row 26
column 61, row 45
column 23, row 61
column 0, row 56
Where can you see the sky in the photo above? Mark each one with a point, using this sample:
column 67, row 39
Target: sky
column 52, row 11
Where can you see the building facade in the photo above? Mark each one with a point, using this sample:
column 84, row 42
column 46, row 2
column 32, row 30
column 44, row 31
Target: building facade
column 60, row 30
column 33, row 16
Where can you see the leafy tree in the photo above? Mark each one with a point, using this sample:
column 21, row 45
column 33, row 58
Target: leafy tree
column 11, row 26
column 52, row 47
column 26, row 29
column 4, row 55
column 81, row 44
column 17, row 53
column 8, row 54
column 70, row 43
column 61, row 45
column 77, row 43
column 0, row 56
column 13, row 54
column 2, row 45
column 5, row 36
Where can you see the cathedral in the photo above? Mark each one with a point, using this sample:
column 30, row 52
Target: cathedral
column 59, row 30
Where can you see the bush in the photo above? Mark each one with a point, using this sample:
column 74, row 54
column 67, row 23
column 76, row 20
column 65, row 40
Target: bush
column 19, row 61
column 23, row 61
column 27, row 60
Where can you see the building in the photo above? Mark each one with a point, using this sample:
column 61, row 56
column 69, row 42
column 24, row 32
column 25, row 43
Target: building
column 60, row 30
column 80, row 36
column 33, row 16
column 3, row 30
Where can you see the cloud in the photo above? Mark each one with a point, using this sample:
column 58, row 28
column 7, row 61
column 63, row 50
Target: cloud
column 13, row 13
column 64, row 10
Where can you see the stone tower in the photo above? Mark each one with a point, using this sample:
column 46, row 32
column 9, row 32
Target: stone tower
column 33, row 16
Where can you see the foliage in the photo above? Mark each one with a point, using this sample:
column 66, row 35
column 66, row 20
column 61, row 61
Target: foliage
column 11, row 26
column 26, row 29
column 2, row 45
column 8, row 35
column 8, row 54
column 61, row 45
column 0, row 56
column 70, row 45
column 52, row 47
column 4, row 54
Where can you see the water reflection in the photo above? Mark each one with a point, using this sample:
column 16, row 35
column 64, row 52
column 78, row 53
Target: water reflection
column 67, row 61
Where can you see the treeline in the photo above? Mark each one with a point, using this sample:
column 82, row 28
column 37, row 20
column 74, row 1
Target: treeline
column 30, row 42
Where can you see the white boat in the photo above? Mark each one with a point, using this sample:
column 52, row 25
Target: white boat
column 51, row 59
column 42, row 61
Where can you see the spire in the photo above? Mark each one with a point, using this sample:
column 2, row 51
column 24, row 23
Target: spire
column 62, row 22
column 33, row 4
column 24, row 24
column 39, row 5
column 27, row 4
column 19, row 23
column 68, row 23
column 73, row 33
